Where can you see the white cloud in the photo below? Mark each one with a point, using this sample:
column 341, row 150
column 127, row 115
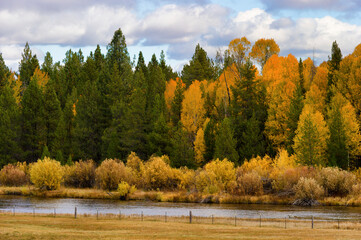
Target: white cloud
column 180, row 27
column 336, row 5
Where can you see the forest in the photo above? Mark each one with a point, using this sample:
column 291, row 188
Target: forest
column 245, row 103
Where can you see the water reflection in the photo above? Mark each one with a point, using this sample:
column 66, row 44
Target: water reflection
column 90, row 206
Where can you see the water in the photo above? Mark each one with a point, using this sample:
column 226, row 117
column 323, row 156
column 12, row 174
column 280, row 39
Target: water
column 91, row 206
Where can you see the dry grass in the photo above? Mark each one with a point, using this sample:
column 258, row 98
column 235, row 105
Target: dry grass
column 155, row 227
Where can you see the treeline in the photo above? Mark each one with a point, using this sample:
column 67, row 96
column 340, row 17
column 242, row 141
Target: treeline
column 106, row 106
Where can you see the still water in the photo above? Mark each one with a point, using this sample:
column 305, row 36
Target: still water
column 90, row 206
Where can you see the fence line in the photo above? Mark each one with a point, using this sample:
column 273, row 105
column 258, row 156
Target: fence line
column 238, row 221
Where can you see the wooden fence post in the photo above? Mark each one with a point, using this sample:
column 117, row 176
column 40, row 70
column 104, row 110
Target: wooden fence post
column 190, row 216
column 75, row 212
column 312, row 221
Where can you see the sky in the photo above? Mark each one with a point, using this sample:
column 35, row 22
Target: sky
column 304, row 28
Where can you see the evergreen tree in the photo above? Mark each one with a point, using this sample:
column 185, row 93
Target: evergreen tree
column 52, row 115
column 225, row 146
column 248, row 113
column 182, row 149
column 296, row 106
column 209, row 140
column 47, row 65
column 166, row 69
column 45, row 153
column 28, row 64
column 118, row 52
column 199, row 68
column 311, row 138
column 4, row 72
column 176, row 105
column 333, row 65
column 88, row 129
column 33, row 135
column 9, row 127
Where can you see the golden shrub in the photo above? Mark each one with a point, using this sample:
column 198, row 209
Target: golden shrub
column 125, row 189
column 81, row 174
column 215, row 177
column 286, row 179
column 136, row 167
column 46, row 174
column 11, row 175
column 110, row 173
column 263, row 166
column 185, row 177
column 159, row 175
column 308, row 188
column 336, row 181
column 250, row 183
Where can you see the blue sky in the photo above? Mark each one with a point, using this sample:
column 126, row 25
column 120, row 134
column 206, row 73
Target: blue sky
column 304, row 28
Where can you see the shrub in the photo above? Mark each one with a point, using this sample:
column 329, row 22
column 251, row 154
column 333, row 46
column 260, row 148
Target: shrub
column 125, row 189
column 286, row 179
column 159, row 175
column 11, row 175
column 185, row 177
column 262, row 166
column 136, row 166
column 110, row 173
column 216, row 176
column 81, row 174
column 250, row 183
column 356, row 189
column 335, row 181
column 46, row 174
column 308, row 188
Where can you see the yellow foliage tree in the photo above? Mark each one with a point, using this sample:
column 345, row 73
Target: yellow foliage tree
column 41, row 78
column 199, row 147
column 193, row 110
column 169, row 92
column 281, row 79
column 263, row 49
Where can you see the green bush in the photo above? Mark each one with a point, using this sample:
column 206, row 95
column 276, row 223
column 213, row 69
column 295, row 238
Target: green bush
column 81, row 174
column 335, row 181
column 11, row 175
column 46, row 174
column 110, row 173
column 308, row 189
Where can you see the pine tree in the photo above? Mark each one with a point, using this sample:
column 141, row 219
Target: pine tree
column 333, row 66
column 209, row 140
column 296, row 106
column 28, row 64
column 225, row 146
column 176, row 105
column 4, row 72
column 248, row 113
column 199, row 68
column 9, row 127
column 182, row 149
column 33, row 136
column 52, row 116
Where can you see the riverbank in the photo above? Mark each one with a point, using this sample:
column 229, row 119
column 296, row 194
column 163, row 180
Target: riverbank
column 179, row 196
column 25, row 226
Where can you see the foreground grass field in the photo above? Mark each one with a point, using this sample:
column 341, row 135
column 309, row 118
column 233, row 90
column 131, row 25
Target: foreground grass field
column 66, row 227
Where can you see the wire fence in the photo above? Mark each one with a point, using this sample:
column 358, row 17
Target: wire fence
column 288, row 222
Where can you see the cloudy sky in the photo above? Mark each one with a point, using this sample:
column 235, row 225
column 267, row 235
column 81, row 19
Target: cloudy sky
column 305, row 28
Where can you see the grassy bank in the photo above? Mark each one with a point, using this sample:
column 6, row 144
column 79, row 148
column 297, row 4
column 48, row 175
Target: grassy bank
column 175, row 196
column 66, row 227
